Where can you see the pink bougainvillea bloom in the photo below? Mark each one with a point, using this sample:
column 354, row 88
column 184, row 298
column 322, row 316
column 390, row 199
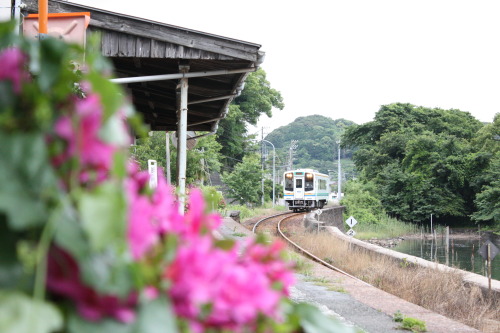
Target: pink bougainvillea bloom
column 149, row 215
column 63, row 279
column 235, row 288
column 13, row 61
column 195, row 220
column 80, row 130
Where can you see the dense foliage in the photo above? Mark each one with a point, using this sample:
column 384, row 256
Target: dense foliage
column 86, row 245
column 316, row 142
column 256, row 98
column 245, row 180
column 426, row 161
column 203, row 159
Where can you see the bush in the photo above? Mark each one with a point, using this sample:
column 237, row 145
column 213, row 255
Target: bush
column 361, row 203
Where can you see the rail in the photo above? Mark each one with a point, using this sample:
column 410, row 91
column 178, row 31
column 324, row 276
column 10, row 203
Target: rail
column 301, row 249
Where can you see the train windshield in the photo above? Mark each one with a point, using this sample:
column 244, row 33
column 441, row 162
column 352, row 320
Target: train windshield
column 309, row 185
column 298, row 183
column 288, row 182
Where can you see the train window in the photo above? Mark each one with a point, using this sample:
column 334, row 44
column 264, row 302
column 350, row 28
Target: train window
column 309, row 185
column 322, row 184
column 298, row 183
column 289, row 183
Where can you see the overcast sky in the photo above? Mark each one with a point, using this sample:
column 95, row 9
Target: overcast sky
column 344, row 59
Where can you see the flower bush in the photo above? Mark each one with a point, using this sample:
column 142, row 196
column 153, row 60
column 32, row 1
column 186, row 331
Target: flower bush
column 85, row 244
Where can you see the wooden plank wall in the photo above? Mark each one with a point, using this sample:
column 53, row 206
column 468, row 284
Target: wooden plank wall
column 117, row 44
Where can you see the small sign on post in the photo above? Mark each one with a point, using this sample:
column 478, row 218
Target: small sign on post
column 351, row 222
column 153, row 174
column 318, row 212
column 488, row 251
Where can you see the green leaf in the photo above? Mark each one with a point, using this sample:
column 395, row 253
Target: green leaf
column 28, row 181
column 79, row 325
column 103, row 212
column 114, row 131
column 119, row 168
column 225, row 244
column 69, row 232
column 11, row 270
column 156, row 317
column 107, row 273
column 21, row 314
column 52, row 56
column 110, row 93
column 312, row 320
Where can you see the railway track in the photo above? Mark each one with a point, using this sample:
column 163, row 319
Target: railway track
column 267, row 224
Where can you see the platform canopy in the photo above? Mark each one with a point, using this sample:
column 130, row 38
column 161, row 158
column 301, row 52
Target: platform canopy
column 140, row 47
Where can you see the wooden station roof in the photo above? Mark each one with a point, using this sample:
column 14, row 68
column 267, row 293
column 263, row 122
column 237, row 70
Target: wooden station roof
column 140, row 47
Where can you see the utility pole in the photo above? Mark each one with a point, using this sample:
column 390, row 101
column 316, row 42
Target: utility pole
column 274, row 170
column 339, row 193
column 167, row 155
column 293, row 146
column 262, row 163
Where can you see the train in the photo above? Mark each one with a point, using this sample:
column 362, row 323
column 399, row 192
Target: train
column 305, row 189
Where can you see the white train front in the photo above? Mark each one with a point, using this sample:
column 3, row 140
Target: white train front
column 305, row 189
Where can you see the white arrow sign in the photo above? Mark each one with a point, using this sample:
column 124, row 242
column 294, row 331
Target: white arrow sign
column 351, row 221
column 351, row 233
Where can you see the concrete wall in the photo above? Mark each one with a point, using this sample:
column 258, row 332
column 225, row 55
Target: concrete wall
column 330, row 217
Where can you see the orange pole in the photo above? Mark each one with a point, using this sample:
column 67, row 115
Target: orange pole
column 43, row 13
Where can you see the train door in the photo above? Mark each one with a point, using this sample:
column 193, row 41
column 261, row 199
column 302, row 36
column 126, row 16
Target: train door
column 299, row 188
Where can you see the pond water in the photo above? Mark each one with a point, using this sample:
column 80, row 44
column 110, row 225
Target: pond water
column 462, row 253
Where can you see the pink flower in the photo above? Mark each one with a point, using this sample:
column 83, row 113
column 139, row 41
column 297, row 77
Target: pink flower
column 13, row 61
column 81, row 131
column 195, row 220
column 149, row 216
column 219, row 289
column 63, row 279
column 82, row 134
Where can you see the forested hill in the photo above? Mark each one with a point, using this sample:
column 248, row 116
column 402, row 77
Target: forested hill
column 316, row 142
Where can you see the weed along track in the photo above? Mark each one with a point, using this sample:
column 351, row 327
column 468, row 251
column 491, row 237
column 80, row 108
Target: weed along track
column 286, row 224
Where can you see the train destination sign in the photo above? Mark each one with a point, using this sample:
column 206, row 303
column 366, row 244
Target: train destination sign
column 351, row 221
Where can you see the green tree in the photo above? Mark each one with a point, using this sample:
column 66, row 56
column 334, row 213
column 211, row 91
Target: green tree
column 487, row 179
column 256, row 98
column 201, row 160
column 317, row 147
column 361, row 202
column 420, row 159
column 244, row 181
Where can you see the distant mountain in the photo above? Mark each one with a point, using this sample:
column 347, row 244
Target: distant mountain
column 316, row 142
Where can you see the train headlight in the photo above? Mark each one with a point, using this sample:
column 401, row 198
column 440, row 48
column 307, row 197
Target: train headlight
column 289, row 175
column 309, row 176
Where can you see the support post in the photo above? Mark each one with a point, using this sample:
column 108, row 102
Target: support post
column 489, row 268
column 339, row 179
column 43, row 17
column 167, row 159
column 181, row 140
column 447, row 239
